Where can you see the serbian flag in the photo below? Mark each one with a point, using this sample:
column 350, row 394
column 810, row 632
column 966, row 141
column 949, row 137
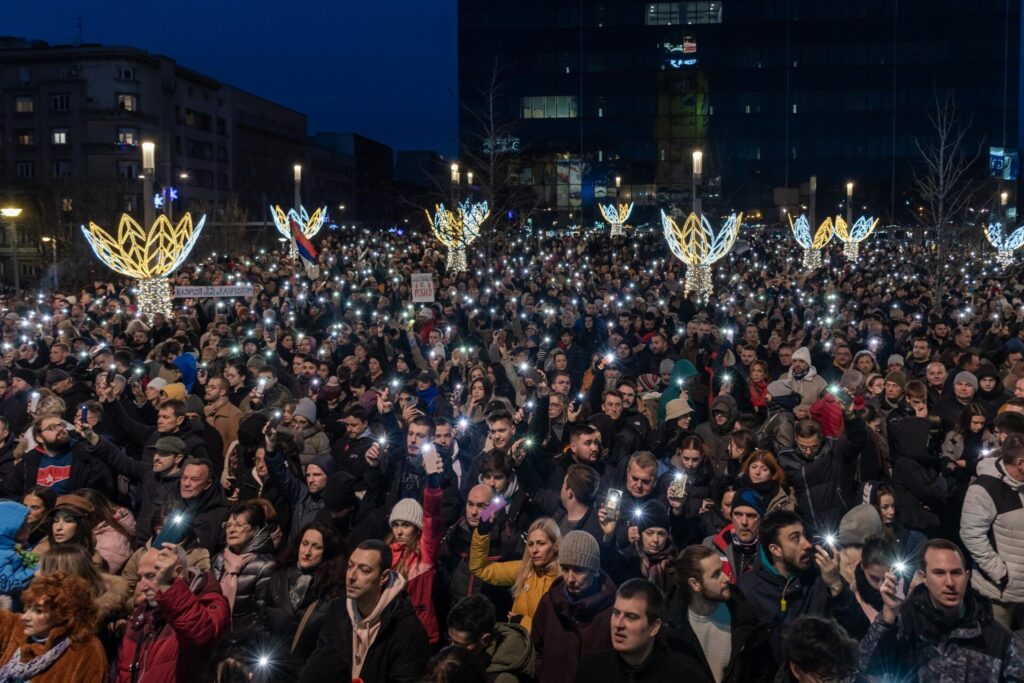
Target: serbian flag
column 302, row 243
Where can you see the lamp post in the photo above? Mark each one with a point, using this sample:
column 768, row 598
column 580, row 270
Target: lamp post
column 469, row 178
column 53, row 244
column 812, row 206
column 455, row 182
column 148, row 174
column 849, row 204
column 293, row 251
column 10, row 213
column 698, row 170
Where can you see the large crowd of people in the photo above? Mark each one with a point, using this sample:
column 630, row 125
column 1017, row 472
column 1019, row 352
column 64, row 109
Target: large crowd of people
column 563, row 468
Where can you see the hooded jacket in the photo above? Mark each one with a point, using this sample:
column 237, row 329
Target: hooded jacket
column 718, row 437
column 922, row 646
column 16, row 572
column 169, row 642
column 990, row 527
column 914, row 443
column 564, row 632
column 510, row 655
column 683, row 373
column 992, row 400
column 398, row 652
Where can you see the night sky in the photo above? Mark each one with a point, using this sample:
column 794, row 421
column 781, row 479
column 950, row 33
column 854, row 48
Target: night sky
column 382, row 68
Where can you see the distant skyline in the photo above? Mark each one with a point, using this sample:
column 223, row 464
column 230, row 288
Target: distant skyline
column 386, row 70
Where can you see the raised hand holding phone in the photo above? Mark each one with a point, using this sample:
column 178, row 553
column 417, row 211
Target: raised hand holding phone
column 432, row 460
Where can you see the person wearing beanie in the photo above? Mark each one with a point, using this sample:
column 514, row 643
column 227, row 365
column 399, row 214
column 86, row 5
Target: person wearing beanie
column 650, row 555
column 892, row 391
column 573, row 619
column 308, row 431
column 803, row 379
column 173, row 392
column 737, row 542
column 952, row 404
column 415, row 540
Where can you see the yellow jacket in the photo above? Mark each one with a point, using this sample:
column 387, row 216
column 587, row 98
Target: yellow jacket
column 504, row 574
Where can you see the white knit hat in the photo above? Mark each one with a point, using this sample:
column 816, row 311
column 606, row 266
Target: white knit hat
column 407, row 510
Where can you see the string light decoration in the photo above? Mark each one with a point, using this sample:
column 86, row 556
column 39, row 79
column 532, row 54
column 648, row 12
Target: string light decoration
column 616, row 216
column 456, row 230
column 148, row 256
column 852, row 237
column 698, row 246
column 812, row 246
column 1005, row 244
column 310, row 224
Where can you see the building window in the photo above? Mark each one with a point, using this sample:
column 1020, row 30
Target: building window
column 66, row 204
column 128, row 170
column 25, row 170
column 676, row 13
column 60, row 102
column 62, row 169
column 128, row 136
column 127, row 102
column 25, row 137
column 126, row 73
column 24, row 105
column 549, row 107
column 59, row 136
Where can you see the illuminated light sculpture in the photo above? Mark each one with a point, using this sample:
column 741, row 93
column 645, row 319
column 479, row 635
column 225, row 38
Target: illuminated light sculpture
column 616, row 217
column 698, row 246
column 310, row 224
column 812, row 245
column 852, row 237
column 456, row 230
column 1005, row 244
column 148, row 256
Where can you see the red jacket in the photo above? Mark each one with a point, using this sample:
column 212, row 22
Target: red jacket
column 171, row 642
column 419, row 567
column 827, row 412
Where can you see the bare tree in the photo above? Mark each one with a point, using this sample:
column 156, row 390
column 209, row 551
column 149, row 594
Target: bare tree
column 943, row 180
column 225, row 224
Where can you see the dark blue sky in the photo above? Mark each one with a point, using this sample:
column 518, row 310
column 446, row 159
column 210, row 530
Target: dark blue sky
column 383, row 68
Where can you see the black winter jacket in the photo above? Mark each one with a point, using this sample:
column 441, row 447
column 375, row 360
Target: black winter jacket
column 249, row 612
column 916, row 471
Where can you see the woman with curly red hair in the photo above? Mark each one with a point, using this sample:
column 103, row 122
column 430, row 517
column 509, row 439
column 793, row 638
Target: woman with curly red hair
column 55, row 639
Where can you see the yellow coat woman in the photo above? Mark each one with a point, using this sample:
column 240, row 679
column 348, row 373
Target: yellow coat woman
column 530, row 577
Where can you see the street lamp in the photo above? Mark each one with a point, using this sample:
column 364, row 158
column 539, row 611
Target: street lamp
column 455, row 174
column 469, row 178
column 53, row 243
column 698, row 170
column 849, row 204
column 148, row 174
column 10, row 213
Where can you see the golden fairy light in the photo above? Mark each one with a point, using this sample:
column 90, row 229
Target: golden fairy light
column 456, row 230
column 616, row 216
column 698, row 246
column 853, row 236
column 812, row 245
column 309, row 224
column 148, row 256
column 1005, row 244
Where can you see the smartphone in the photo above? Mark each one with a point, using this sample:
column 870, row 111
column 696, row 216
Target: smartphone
column 457, row 393
column 534, row 375
column 274, row 420
column 900, row 569
column 827, row 542
column 85, row 415
column 611, row 504
column 110, row 376
column 677, row 489
column 33, row 402
column 496, row 505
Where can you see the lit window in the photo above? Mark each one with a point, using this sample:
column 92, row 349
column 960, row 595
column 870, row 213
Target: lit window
column 59, row 136
column 24, row 105
column 26, row 138
column 549, row 107
column 128, row 136
column 127, row 102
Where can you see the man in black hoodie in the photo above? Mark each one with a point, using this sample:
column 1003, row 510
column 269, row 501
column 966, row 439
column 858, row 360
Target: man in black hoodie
column 793, row 578
column 717, row 432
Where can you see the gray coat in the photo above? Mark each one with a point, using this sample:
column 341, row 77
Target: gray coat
column 991, row 528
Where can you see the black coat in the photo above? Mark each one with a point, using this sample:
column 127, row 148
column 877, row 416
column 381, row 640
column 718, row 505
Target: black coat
column 156, row 491
column 87, row 468
column 916, row 472
column 661, row 665
column 283, row 618
column 207, row 513
column 399, row 653
column 249, row 613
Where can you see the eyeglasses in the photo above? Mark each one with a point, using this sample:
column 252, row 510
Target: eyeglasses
column 59, row 427
column 234, row 525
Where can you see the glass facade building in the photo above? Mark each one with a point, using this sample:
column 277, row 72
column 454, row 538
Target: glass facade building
column 608, row 100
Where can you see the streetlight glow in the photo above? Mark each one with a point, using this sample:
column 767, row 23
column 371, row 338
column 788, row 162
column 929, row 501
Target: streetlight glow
column 298, row 172
column 148, row 156
column 10, row 212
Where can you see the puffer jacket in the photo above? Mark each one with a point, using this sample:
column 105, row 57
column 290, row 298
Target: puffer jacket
column 419, row 566
column 991, row 528
column 314, row 442
column 284, row 616
column 510, row 655
column 170, row 642
column 16, row 571
column 921, row 646
column 822, row 484
column 249, row 611
column 111, row 544
column 719, row 437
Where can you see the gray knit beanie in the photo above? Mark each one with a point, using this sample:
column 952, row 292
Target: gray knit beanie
column 579, row 549
column 407, row 510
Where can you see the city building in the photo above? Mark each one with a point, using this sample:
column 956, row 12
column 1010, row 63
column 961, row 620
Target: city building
column 608, row 99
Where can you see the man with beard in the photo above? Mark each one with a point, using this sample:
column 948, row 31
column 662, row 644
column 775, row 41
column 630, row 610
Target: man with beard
column 701, row 611
column 61, row 462
column 737, row 543
column 584, row 449
column 793, row 578
column 803, row 379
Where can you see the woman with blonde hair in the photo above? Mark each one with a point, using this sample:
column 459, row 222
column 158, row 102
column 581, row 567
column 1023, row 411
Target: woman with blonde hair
column 530, row 577
column 54, row 641
column 762, row 473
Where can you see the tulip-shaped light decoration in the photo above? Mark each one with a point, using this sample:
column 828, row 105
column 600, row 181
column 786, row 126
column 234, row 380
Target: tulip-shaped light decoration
column 148, row 256
column 698, row 246
column 456, row 230
column 853, row 236
column 616, row 216
column 310, row 224
column 1005, row 244
column 812, row 246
